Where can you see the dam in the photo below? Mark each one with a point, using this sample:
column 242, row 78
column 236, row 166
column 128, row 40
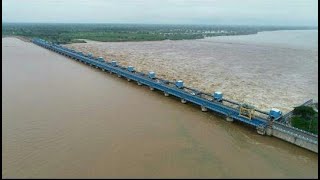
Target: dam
column 266, row 123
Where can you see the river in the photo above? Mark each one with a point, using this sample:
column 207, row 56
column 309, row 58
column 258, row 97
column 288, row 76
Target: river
column 276, row 69
column 62, row 119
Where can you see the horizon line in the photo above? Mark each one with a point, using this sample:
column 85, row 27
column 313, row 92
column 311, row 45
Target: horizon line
column 315, row 26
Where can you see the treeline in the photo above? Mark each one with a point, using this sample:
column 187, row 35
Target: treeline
column 305, row 118
column 69, row 33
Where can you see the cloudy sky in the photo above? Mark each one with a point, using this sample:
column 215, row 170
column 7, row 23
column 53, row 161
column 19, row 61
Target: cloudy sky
column 249, row 12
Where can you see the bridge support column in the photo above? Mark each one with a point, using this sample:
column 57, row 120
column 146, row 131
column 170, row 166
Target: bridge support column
column 261, row 130
column 166, row 94
column 269, row 131
column 151, row 88
column 183, row 101
column 203, row 109
column 229, row 119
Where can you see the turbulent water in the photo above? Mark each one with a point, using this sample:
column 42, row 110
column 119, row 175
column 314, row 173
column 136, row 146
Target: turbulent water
column 62, row 119
column 275, row 69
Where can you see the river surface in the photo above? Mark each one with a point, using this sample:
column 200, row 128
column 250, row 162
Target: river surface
column 62, row 119
column 296, row 39
column 276, row 69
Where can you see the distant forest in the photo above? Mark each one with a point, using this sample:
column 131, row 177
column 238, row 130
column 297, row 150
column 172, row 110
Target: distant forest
column 71, row 33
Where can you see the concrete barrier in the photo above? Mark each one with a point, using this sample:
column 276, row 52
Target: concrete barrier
column 296, row 136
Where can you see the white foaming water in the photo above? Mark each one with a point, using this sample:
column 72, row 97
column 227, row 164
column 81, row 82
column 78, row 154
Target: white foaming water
column 276, row 69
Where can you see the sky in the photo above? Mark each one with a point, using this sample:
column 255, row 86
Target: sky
column 235, row 12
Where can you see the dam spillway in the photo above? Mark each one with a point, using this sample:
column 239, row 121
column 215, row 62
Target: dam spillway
column 265, row 122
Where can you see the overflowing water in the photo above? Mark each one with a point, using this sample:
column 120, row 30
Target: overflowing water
column 275, row 69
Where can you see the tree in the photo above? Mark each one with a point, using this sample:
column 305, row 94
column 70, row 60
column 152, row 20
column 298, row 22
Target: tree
column 305, row 118
column 306, row 112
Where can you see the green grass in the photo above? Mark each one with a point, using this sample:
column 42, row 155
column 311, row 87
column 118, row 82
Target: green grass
column 77, row 41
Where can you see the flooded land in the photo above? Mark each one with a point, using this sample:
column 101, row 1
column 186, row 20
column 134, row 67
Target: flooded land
column 62, row 119
column 276, row 69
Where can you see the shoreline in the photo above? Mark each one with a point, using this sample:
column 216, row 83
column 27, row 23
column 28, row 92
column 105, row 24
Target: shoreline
column 209, row 37
column 22, row 38
column 204, row 38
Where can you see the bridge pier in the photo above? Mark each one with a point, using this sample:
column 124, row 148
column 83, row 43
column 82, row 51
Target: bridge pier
column 261, row 130
column 269, row 131
column 183, row 101
column 203, row 109
column 229, row 119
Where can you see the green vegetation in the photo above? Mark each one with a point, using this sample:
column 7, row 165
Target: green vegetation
column 305, row 118
column 77, row 41
column 70, row 33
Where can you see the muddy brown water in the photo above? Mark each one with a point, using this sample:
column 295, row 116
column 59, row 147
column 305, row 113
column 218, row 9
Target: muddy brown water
column 276, row 69
column 64, row 119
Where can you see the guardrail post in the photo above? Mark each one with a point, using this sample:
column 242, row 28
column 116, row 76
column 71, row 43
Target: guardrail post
column 204, row 109
column 229, row 119
column 183, row 101
column 269, row 131
column 261, row 130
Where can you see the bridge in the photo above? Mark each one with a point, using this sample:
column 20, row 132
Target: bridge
column 264, row 122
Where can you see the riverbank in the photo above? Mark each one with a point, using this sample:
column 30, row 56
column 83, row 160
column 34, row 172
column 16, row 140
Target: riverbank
column 68, row 33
